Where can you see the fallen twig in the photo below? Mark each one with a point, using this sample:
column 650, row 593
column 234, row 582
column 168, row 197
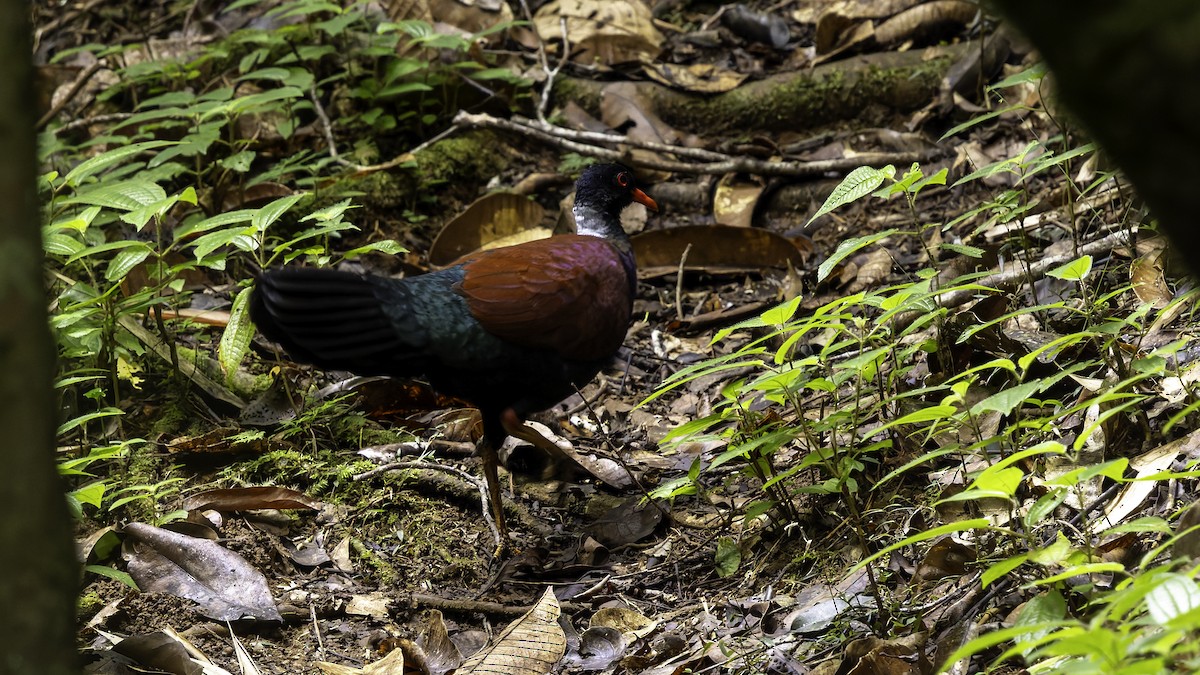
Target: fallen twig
column 708, row 161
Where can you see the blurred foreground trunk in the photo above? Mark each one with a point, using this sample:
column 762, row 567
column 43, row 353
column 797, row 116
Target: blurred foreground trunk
column 38, row 575
column 1129, row 71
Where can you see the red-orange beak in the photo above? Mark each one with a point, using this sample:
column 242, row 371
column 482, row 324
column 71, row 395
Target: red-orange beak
column 643, row 198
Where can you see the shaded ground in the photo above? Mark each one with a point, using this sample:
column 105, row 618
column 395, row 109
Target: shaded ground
column 361, row 573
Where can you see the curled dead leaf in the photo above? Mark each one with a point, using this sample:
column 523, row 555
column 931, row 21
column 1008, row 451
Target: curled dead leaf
column 734, row 201
column 494, row 220
column 716, row 249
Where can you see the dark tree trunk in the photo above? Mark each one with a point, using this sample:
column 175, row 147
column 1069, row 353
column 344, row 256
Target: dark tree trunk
column 1129, row 69
column 38, row 574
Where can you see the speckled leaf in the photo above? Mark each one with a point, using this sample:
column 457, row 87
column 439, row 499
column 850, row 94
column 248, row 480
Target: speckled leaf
column 531, row 645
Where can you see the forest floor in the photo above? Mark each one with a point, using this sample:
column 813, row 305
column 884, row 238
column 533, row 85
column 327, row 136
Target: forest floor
column 361, row 561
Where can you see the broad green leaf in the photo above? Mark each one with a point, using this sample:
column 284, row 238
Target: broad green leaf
column 388, row 246
column 329, row 213
column 1003, row 481
column 961, row 249
column 1080, row 570
column 92, row 251
column 126, row 260
column 1173, row 597
column 240, row 238
column 57, row 243
column 1004, row 401
column 91, row 494
column 76, row 422
column 857, row 184
column 114, row 574
column 1076, row 270
column 404, row 88
column 1034, row 73
column 219, row 220
column 728, row 557
column 104, row 160
column 1001, row 568
column 125, row 195
column 1053, row 554
column 270, row 213
column 934, row 533
column 1047, row 608
column 235, row 341
column 777, row 316
column 239, row 162
column 276, row 74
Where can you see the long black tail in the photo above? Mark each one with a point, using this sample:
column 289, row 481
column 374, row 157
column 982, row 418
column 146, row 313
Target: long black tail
column 334, row 320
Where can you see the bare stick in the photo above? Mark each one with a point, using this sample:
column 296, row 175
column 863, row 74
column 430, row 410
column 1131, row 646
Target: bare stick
column 715, row 163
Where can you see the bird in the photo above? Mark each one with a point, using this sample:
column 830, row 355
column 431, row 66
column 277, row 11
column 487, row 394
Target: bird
column 511, row 330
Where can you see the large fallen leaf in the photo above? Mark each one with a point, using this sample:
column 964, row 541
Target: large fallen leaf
column 165, row 651
column 494, row 220
column 627, row 523
column 531, row 645
column 717, row 249
column 604, row 31
column 249, row 498
column 223, row 583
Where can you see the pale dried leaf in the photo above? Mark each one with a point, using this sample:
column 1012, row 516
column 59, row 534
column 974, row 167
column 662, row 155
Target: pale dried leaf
column 531, row 645
column 491, row 220
column 1149, row 282
column 701, row 78
column 604, row 31
column 734, row 201
column 633, row 624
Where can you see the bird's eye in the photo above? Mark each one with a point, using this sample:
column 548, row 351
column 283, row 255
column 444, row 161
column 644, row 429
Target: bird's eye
column 623, row 179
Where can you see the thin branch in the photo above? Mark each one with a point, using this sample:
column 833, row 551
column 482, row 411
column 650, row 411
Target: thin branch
column 713, row 163
column 1022, row 271
column 76, row 87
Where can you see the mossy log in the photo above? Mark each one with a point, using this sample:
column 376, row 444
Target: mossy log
column 865, row 88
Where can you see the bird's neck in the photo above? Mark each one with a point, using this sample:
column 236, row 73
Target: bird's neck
column 592, row 222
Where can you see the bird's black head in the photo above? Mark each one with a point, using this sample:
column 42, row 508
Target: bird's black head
column 609, row 188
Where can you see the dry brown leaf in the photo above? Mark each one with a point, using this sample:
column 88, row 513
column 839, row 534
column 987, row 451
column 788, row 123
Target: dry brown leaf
column 1149, row 282
column 633, row 624
column 441, row 654
column 701, row 78
column 471, row 16
column 873, row 269
column 734, row 201
column 608, row 32
column 221, row 582
column 945, row 558
column 627, row 523
column 624, row 106
column 715, row 249
column 927, row 21
column 249, row 498
column 392, row 664
column 531, row 645
column 496, row 219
